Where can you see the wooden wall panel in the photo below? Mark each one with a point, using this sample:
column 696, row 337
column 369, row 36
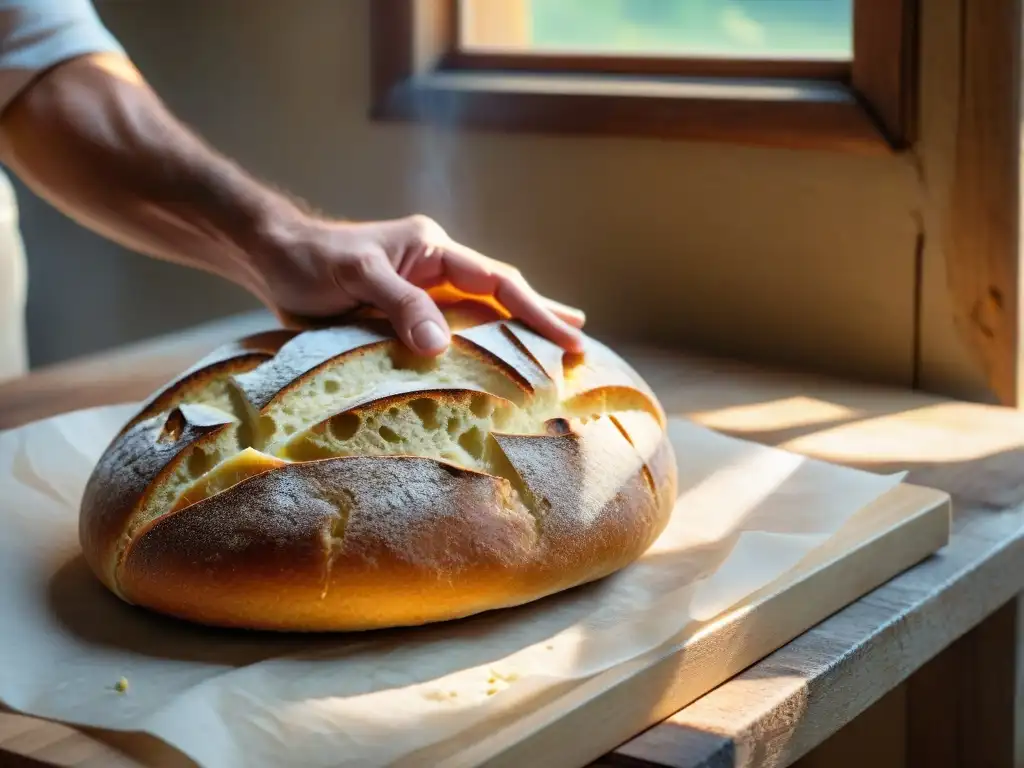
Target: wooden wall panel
column 970, row 164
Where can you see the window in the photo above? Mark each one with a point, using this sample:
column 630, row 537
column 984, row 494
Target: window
column 824, row 73
column 750, row 29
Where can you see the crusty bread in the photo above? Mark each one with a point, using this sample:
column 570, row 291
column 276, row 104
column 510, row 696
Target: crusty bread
column 330, row 480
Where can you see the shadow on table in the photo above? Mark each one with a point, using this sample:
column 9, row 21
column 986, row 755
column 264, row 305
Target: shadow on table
column 87, row 610
column 992, row 477
column 96, row 617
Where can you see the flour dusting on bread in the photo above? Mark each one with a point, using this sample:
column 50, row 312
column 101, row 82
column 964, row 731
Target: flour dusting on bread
column 428, row 488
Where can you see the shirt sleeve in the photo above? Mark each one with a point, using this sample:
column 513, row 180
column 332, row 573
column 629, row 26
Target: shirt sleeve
column 36, row 35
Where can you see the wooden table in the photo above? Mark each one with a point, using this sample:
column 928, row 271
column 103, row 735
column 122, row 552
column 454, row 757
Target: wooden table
column 923, row 671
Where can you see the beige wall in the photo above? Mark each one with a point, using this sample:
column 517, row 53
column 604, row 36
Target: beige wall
column 803, row 258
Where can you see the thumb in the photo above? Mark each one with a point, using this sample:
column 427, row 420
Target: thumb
column 413, row 314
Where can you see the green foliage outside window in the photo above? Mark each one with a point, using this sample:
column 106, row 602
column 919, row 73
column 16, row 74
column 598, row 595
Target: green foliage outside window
column 749, row 28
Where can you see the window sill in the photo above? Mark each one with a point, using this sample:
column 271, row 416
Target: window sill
column 777, row 113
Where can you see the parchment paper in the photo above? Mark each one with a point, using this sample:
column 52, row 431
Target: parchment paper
column 745, row 515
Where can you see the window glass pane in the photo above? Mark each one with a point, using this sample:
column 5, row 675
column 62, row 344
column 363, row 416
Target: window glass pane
column 737, row 28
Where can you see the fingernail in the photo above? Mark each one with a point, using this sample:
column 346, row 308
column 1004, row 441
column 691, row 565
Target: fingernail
column 429, row 336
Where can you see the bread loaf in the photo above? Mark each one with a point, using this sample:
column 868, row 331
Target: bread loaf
column 329, row 479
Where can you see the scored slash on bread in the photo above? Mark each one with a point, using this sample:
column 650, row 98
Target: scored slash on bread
column 329, row 479
column 208, row 378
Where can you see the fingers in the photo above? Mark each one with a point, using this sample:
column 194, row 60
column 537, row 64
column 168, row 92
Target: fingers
column 428, row 257
column 475, row 274
column 574, row 317
column 413, row 314
column 525, row 304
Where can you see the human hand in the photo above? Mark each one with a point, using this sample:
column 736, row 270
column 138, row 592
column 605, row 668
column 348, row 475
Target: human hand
column 329, row 268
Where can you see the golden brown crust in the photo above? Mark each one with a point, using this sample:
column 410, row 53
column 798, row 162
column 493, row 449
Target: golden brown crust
column 362, row 543
column 250, row 551
column 125, row 472
column 597, row 513
column 548, row 356
column 500, row 474
column 600, row 367
column 225, row 361
column 412, row 540
column 500, row 346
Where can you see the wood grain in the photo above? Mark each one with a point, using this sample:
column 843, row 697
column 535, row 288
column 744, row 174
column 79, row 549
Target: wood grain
column 875, row 738
column 881, row 541
column 664, row 66
column 884, row 64
column 792, row 701
column 758, row 112
column 982, row 240
column 776, row 712
column 420, row 74
column 961, row 705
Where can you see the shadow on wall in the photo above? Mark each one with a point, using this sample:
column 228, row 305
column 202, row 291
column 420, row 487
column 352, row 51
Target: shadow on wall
column 795, row 257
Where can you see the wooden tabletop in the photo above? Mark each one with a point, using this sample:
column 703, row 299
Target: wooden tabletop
column 792, row 701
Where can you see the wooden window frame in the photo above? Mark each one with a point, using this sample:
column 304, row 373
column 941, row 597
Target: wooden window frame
column 420, row 74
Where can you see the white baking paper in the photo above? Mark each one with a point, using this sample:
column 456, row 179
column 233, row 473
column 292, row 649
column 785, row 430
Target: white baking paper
column 745, row 515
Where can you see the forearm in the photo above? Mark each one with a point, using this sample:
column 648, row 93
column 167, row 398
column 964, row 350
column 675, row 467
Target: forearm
column 96, row 142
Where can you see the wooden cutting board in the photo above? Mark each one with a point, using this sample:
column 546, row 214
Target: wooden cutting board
column 907, row 525
column 900, row 529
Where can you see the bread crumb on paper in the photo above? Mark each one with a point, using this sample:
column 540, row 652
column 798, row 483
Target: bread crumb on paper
column 334, row 440
column 504, row 677
column 500, row 681
column 437, row 695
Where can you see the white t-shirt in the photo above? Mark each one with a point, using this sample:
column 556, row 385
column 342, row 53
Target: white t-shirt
column 35, row 35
